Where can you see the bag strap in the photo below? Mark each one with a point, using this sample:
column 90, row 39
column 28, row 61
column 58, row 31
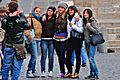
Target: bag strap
column 98, row 31
column 32, row 23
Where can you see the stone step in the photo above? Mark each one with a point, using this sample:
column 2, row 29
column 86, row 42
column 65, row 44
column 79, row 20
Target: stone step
column 108, row 15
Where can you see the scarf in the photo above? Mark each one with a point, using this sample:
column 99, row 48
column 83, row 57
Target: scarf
column 36, row 16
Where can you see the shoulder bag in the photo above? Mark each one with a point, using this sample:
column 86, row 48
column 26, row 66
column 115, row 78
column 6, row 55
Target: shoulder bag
column 97, row 39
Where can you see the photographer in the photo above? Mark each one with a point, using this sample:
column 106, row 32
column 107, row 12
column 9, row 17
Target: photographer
column 14, row 27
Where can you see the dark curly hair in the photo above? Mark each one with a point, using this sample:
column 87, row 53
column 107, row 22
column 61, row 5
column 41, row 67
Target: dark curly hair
column 73, row 8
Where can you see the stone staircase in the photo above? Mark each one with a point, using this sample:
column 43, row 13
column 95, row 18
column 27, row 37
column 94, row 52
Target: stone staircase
column 108, row 14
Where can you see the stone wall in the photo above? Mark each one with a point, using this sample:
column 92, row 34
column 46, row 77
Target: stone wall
column 107, row 13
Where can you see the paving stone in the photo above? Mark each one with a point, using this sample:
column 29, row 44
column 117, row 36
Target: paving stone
column 108, row 65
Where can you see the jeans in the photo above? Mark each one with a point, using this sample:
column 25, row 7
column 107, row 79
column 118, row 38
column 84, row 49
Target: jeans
column 91, row 50
column 60, row 47
column 47, row 46
column 34, row 53
column 83, row 56
column 8, row 61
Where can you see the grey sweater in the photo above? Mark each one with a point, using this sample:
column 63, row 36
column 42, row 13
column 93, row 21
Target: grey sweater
column 90, row 28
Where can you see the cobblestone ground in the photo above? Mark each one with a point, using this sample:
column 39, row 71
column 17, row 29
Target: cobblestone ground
column 108, row 63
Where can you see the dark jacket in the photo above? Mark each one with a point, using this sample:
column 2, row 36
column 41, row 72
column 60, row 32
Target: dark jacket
column 14, row 27
column 61, row 25
column 48, row 27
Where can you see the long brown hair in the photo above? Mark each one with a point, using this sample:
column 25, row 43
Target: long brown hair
column 90, row 13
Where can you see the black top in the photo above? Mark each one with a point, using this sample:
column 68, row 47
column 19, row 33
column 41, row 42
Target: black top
column 48, row 28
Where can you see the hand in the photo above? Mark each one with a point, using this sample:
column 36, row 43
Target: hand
column 15, row 13
column 88, row 24
column 70, row 24
column 77, row 18
column 20, row 10
column 44, row 18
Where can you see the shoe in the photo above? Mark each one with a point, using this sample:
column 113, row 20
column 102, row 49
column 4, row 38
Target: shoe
column 43, row 74
column 50, row 74
column 83, row 65
column 68, row 75
column 61, row 75
column 90, row 77
column 36, row 75
column 96, row 77
column 30, row 74
column 76, row 75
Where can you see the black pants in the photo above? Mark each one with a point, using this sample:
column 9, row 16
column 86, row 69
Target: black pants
column 73, row 44
column 60, row 47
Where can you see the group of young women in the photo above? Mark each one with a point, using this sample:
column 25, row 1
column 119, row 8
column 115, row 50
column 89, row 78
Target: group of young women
column 64, row 30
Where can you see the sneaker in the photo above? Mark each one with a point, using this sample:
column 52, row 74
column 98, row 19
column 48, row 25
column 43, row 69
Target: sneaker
column 76, row 75
column 50, row 74
column 30, row 74
column 90, row 77
column 43, row 74
column 36, row 75
column 68, row 75
column 61, row 75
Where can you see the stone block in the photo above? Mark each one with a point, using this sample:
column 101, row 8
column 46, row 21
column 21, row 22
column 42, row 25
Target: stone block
column 116, row 25
column 113, row 31
column 114, row 44
column 104, row 4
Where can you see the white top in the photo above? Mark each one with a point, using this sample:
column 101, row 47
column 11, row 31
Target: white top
column 78, row 26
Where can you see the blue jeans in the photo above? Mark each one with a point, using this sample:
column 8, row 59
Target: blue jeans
column 47, row 46
column 83, row 56
column 34, row 52
column 8, row 61
column 91, row 50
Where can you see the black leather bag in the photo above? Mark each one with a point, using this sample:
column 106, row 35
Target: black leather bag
column 76, row 34
column 97, row 39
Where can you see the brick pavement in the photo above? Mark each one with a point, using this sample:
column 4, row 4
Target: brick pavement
column 108, row 64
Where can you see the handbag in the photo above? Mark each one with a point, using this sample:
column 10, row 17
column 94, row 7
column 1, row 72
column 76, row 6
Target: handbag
column 97, row 39
column 76, row 34
column 20, row 52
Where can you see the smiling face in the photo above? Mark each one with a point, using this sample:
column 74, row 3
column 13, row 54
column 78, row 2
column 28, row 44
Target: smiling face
column 50, row 12
column 86, row 15
column 61, row 9
column 71, row 11
column 37, row 11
